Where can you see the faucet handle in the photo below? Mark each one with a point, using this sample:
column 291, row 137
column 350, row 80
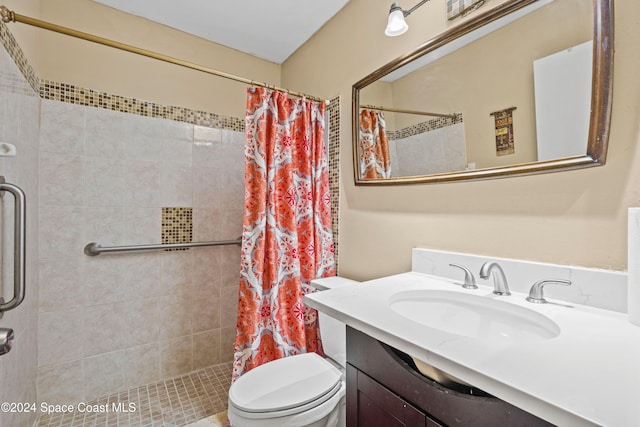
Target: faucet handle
column 469, row 280
column 536, row 294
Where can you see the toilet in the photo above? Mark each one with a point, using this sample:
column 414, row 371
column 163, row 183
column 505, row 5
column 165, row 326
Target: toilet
column 296, row 391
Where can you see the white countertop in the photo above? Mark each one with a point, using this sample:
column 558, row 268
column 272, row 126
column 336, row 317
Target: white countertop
column 588, row 375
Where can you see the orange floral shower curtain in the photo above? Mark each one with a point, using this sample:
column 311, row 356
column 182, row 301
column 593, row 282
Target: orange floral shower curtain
column 374, row 146
column 287, row 237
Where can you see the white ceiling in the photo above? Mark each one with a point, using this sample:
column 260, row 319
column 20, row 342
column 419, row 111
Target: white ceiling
column 268, row 29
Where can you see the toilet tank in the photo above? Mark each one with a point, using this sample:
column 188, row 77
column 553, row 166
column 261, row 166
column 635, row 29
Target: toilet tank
column 332, row 331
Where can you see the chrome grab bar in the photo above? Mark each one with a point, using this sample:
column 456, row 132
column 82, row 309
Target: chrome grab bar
column 94, row 249
column 19, row 250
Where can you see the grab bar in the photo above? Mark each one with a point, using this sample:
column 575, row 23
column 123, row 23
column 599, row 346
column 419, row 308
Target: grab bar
column 19, row 251
column 94, row 249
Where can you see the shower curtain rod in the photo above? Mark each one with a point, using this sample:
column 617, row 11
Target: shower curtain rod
column 10, row 16
column 399, row 110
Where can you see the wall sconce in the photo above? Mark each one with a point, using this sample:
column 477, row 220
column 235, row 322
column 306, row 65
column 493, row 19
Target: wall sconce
column 396, row 24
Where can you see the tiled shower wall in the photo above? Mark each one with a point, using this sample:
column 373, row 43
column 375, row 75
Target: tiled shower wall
column 113, row 322
column 19, row 112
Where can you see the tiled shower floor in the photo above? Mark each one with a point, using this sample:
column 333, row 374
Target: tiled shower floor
column 175, row 402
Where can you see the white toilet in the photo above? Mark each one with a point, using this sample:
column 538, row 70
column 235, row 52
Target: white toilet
column 302, row 390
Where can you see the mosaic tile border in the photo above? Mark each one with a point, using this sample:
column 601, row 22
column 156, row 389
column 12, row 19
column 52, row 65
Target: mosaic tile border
column 423, row 127
column 177, row 226
column 333, row 110
column 91, row 98
column 11, row 46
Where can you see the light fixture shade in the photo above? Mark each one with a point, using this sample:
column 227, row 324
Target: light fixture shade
column 396, row 24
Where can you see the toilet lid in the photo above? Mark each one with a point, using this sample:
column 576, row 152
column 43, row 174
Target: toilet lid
column 284, row 383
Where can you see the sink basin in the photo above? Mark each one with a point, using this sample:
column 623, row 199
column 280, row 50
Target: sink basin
column 473, row 316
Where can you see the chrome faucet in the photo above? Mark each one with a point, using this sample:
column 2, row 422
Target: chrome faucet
column 469, row 280
column 500, row 286
column 536, row 295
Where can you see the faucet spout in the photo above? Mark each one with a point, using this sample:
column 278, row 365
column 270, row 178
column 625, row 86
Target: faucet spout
column 500, row 285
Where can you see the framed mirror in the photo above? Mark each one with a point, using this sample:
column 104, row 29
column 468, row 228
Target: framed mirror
column 522, row 88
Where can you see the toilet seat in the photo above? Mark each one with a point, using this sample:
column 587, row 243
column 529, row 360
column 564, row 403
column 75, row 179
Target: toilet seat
column 285, row 386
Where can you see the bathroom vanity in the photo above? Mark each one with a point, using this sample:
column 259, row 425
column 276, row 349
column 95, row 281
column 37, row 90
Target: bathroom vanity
column 384, row 388
column 569, row 362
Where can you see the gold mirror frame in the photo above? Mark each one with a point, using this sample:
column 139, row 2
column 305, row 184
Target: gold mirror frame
column 601, row 100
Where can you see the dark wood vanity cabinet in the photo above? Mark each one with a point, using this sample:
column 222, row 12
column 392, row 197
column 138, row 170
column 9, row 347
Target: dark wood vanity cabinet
column 378, row 406
column 384, row 389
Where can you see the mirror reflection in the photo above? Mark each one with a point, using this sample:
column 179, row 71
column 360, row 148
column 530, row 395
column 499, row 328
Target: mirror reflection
column 518, row 92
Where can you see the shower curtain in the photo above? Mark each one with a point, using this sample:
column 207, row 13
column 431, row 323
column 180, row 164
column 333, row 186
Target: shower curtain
column 287, row 236
column 375, row 161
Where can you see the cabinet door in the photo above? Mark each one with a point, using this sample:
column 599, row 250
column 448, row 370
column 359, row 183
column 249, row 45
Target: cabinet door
column 377, row 406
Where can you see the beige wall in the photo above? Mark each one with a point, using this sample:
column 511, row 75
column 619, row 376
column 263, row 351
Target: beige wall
column 576, row 217
column 65, row 59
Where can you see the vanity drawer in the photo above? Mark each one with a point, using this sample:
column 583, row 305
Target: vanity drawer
column 377, row 406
